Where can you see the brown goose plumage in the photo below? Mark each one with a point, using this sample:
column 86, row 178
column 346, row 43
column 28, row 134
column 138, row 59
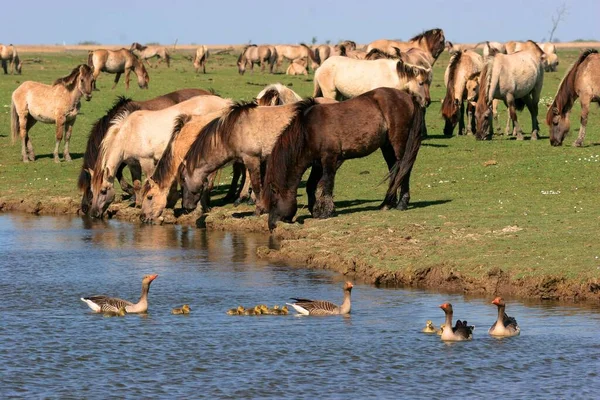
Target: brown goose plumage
column 504, row 325
column 461, row 331
column 112, row 304
column 323, row 307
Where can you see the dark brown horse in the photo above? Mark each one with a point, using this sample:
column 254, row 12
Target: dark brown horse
column 100, row 128
column 583, row 81
column 327, row 134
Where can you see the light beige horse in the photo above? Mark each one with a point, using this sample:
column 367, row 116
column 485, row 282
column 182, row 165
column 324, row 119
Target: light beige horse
column 581, row 81
column 117, row 62
column 297, row 67
column 355, row 54
column 491, row 48
column 551, row 57
column 432, row 42
column 277, row 94
column 52, row 104
column 147, row 52
column 515, row 78
column 8, row 54
column 140, row 136
column 342, row 78
column 294, row 52
column 254, row 54
column 200, row 58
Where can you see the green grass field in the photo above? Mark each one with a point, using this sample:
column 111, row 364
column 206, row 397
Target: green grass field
column 522, row 206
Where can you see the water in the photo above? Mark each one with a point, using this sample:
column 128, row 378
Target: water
column 51, row 345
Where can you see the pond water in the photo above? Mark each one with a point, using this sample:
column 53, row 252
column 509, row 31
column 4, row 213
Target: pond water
column 52, row 345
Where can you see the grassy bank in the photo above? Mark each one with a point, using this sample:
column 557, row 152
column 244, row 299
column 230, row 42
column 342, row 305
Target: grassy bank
column 510, row 216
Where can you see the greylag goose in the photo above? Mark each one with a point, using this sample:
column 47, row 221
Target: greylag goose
column 504, row 325
column 429, row 327
column 461, row 331
column 105, row 303
column 322, row 307
column 119, row 313
column 185, row 309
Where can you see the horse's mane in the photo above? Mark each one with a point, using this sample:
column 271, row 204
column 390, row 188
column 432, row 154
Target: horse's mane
column 436, row 42
column 244, row 51
column 288, row 148
column 448, row 105
column 565, row 96
column 269, row 97
column 485, row 79
column 536, row 47
column 276, row 91
column 342, row 50
column 70, row 80
column 218, row 130
column 376, row 54
column 95, row 137
column 407, row 71
column 139, row 46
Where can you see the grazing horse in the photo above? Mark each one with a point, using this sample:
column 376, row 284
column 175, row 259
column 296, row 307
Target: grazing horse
column 117, row 62
column 294, row 52
column 147, row 52
column 99, row 130
column 200, row 59
column 297, row 67
column 463, row 66
column 581, row 81
column 140, row 136
column 325, row 135
column 342, row 77
column 9, row 54
column 254, row 54
column 515, row 78
column 58, row 104
column 432, row 42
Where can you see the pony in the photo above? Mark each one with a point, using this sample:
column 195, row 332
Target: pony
column 515, row 78
column 200, row 59
column 139, row 136
column 326, row 135
column 341, row 77
column 581, row 81
column 551, row 57
column 432, row 42
column 8, row 54
column 254, row 54
column 58, row 104
column 463, row 66
column 297, row 67
column 147, row 52
column 102, row 125
column 294, row 52
column 117, row 62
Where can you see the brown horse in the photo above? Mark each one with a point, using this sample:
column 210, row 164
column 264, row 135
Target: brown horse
column 8, row 54
column 581, row 81
column 147, row 52
column 58, row 104
column 432, row 42
column 99, row 129
column 462, row 66
column 253, row 54
column 200, row 59
column 325, row 135
column 117, row 62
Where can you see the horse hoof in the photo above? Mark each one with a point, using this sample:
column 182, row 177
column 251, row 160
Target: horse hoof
column 577, row 144
column 56, row 159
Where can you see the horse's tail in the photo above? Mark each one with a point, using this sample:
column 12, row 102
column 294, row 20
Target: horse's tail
column 403, row 166
column 311, row 53
column 520, row 104
column 17, row 62
column 90, row 60
column 14, row 121
column 342, row 50
column 318, row 56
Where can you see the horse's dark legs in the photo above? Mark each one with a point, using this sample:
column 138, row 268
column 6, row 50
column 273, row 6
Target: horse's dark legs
column 461, row 118
column 585, row 109
column 118, row 76
column 4, row 67
column 237, row 173
column 316, row 172
column 209, row 183
column 173, row 195
column 470, row 119
column 253, row 166
column 532, row 106
column 424, row 126
column 324, row 206
column 404, row 192
column 510, row 101
column 389, row 156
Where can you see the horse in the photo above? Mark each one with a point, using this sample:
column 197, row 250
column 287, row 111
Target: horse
column 58, row 104
column 277, row 94
column 200, row 59
column 515, row 78
column 294, row 52
column 432, row 42
column 551, row 57
column 297, row 67
column 491, row 48
column 348, row 44
column 139, row 136
column 147, row 52
column 341, row 77
column 326, row 135
column 8, row 54
column 581, row 81
column 356, row 54
column 462, row 67
column 254, row 54
column 100, row 128
column 117, row 62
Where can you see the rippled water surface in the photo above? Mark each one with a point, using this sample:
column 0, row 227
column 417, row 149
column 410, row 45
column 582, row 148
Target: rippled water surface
column 51, row 345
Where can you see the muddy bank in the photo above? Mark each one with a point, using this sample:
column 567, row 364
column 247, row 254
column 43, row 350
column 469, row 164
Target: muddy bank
column 306, row 245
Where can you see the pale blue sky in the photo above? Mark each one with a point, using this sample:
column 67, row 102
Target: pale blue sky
column 283, row 21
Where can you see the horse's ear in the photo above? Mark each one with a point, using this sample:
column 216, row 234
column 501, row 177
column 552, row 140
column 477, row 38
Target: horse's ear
column 151, row 181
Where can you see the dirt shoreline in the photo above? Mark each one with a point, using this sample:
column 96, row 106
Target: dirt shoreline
column 296, row 246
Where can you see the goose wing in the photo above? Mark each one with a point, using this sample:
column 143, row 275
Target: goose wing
column 315, row 307
column 105, row 303
column 463, row 329
column 510, row 323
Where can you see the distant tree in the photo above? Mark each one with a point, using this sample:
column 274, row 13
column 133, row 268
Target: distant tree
column 561, row 15
column 88, row 43
column 328, row 41
column 152, row 44
column 313, row 40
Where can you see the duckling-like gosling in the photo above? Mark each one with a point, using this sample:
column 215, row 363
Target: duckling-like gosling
column 441, row 330
column 120, row 313
column 429, row 327
column 185, row 309
column 236, row 311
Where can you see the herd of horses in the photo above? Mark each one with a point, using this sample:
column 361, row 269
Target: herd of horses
column 363, row 100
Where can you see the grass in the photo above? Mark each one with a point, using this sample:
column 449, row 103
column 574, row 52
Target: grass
column 522, row 206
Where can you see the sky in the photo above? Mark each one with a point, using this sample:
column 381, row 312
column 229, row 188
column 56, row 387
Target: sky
column 286, row 21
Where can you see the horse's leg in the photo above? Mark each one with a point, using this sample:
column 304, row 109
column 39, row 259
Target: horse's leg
column 95, row 76
column 125, row 186
column 237, row 173
column 253, row 166
column 245, row 193
column 69, row 131
column 127, row 73
column 389, row 155
column 585, row 109
column 147, row 165
column 173, row 195
column 533, row 110
column 30, row 154
column 23, row 132
column 404, row 192
column 60, row 131
column 208, row 185
column 510, row 103
column 461, row 118
column 316, row 172
column 470, row 119
column 136, row 179
column 4, row 67
column 117, row 77
column 324, row 206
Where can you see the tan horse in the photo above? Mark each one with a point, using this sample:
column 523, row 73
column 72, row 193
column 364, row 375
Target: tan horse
column 355, row 54
column 254, row 54
column 462, row 66
column 117, row 62
column 200, row 59
column 515, row 78
column 147, row 52
column 491, row 48
column 8, row 54
column 432, row 42
column 551, row 57
column 294, row 52
column 297, row 67
column 57, row 104
column 581, row 81
column 342, row 78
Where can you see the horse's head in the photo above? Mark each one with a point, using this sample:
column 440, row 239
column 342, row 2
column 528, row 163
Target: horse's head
column 192, row 185
column 103, row 190
column 142, row 75
column 559, row 125
column 241, row 63
column 418, row 80
column 282, row 205
column 85, row 184
column 154, row 201
column 85, row 81
column 483, row 117
column 472, row 88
